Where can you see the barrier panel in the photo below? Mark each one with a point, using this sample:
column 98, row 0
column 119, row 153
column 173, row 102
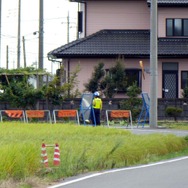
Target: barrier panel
column 65, row 116
column 10, row 115
column 119, row 117
column 38, row 115
column 87, row 116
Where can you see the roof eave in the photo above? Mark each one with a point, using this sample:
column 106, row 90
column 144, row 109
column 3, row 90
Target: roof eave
column 88, row 56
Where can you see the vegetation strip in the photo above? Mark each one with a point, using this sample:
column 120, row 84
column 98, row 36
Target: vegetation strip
column 83, row 149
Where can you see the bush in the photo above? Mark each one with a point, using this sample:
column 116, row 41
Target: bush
column 185, row 92
column 132, row 103
column 173, row 112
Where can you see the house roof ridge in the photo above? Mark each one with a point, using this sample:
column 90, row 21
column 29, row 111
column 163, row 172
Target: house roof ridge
column 79, row 41
column 73, row 43
column 113, row 42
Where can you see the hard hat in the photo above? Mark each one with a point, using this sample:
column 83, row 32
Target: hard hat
column 96, row 93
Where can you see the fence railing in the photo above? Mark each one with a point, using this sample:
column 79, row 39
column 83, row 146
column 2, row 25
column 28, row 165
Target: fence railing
column 111, row 104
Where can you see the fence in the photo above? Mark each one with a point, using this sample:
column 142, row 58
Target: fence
column 111, row 104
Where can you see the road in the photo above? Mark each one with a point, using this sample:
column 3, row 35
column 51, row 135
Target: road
column 165, row 174
column 158, row 130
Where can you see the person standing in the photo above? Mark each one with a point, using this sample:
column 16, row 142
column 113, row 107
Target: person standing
column 97, row 107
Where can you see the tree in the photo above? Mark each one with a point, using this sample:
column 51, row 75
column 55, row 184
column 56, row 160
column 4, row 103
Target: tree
column 55, row 91
column 109, row 84
column 115, row 81
column 19, row 92
column 16, row 88
column 96, row 78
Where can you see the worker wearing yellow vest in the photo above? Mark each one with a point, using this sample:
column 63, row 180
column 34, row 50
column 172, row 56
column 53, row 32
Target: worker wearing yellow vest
column 97, row 107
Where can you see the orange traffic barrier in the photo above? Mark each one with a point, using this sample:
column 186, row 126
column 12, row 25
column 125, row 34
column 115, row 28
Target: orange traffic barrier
column 67, row 113
column 14, row 113
column 56, row 155
column 44, row 155
column 35, row 113
column 120, row 113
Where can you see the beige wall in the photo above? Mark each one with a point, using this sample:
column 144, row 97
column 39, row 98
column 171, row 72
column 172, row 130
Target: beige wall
column 117, row 15
column 87, row 67
column 164, row 13
column 128, row 15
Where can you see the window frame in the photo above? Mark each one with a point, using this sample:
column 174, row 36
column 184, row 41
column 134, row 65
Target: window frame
column 139, row 76
column 183, row 81
column 172, row 27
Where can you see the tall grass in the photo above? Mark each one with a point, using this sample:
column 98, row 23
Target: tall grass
column 82, row 148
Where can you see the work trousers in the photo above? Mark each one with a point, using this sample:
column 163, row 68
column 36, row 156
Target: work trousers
column 97, row 116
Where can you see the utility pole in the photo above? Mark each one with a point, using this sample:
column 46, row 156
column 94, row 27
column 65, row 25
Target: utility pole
column 68, row 27
column 7, row 59
column 153, row 64
column 0, row 28
column 24, row 51
column 18, row 43
column 41, row 32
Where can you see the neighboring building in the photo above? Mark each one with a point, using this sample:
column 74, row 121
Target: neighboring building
column 110, row 28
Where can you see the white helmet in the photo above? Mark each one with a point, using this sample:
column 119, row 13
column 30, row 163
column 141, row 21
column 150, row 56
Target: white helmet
column 96, row 93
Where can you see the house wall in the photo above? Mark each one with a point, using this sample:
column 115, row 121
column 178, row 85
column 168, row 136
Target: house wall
column 117, row 15
column 87, row 67
column 128, row 15
column 165, row 12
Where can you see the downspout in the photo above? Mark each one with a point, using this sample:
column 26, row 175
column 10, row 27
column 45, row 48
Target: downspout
column 68, row 75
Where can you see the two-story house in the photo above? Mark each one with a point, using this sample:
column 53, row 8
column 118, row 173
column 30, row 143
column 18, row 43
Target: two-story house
column 110, row 28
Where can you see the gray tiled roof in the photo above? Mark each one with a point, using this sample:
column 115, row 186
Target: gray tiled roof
column 160, row 2
column 171, row 2
column 130, row 43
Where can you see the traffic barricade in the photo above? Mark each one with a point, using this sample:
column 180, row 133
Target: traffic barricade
column 12, row 115
column 119, row 117
column 38, row 116
column 65, row 116
column 44, row 156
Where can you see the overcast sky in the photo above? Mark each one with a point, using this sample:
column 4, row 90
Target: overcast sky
column 55, row 29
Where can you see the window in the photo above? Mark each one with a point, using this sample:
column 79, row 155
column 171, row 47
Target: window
column 184, row 79
column 133, row 75
column 177, row 27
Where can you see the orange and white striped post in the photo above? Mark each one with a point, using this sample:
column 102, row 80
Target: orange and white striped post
column 56, row 155
column 44, row 155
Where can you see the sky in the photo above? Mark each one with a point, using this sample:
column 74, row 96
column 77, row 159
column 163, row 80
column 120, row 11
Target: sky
column 55, row 30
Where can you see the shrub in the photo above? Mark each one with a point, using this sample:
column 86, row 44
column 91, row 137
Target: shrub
column 185, row 92
column 173, row 112
column 132, row 103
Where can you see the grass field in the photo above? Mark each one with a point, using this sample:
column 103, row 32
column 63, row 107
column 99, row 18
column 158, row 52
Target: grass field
column 82, row 149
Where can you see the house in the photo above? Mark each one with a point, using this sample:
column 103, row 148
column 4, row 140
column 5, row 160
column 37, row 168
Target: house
column 109, row 28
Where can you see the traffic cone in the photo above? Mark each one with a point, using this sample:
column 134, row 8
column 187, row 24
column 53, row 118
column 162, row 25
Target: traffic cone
column 56, row 155
column 44, row 155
